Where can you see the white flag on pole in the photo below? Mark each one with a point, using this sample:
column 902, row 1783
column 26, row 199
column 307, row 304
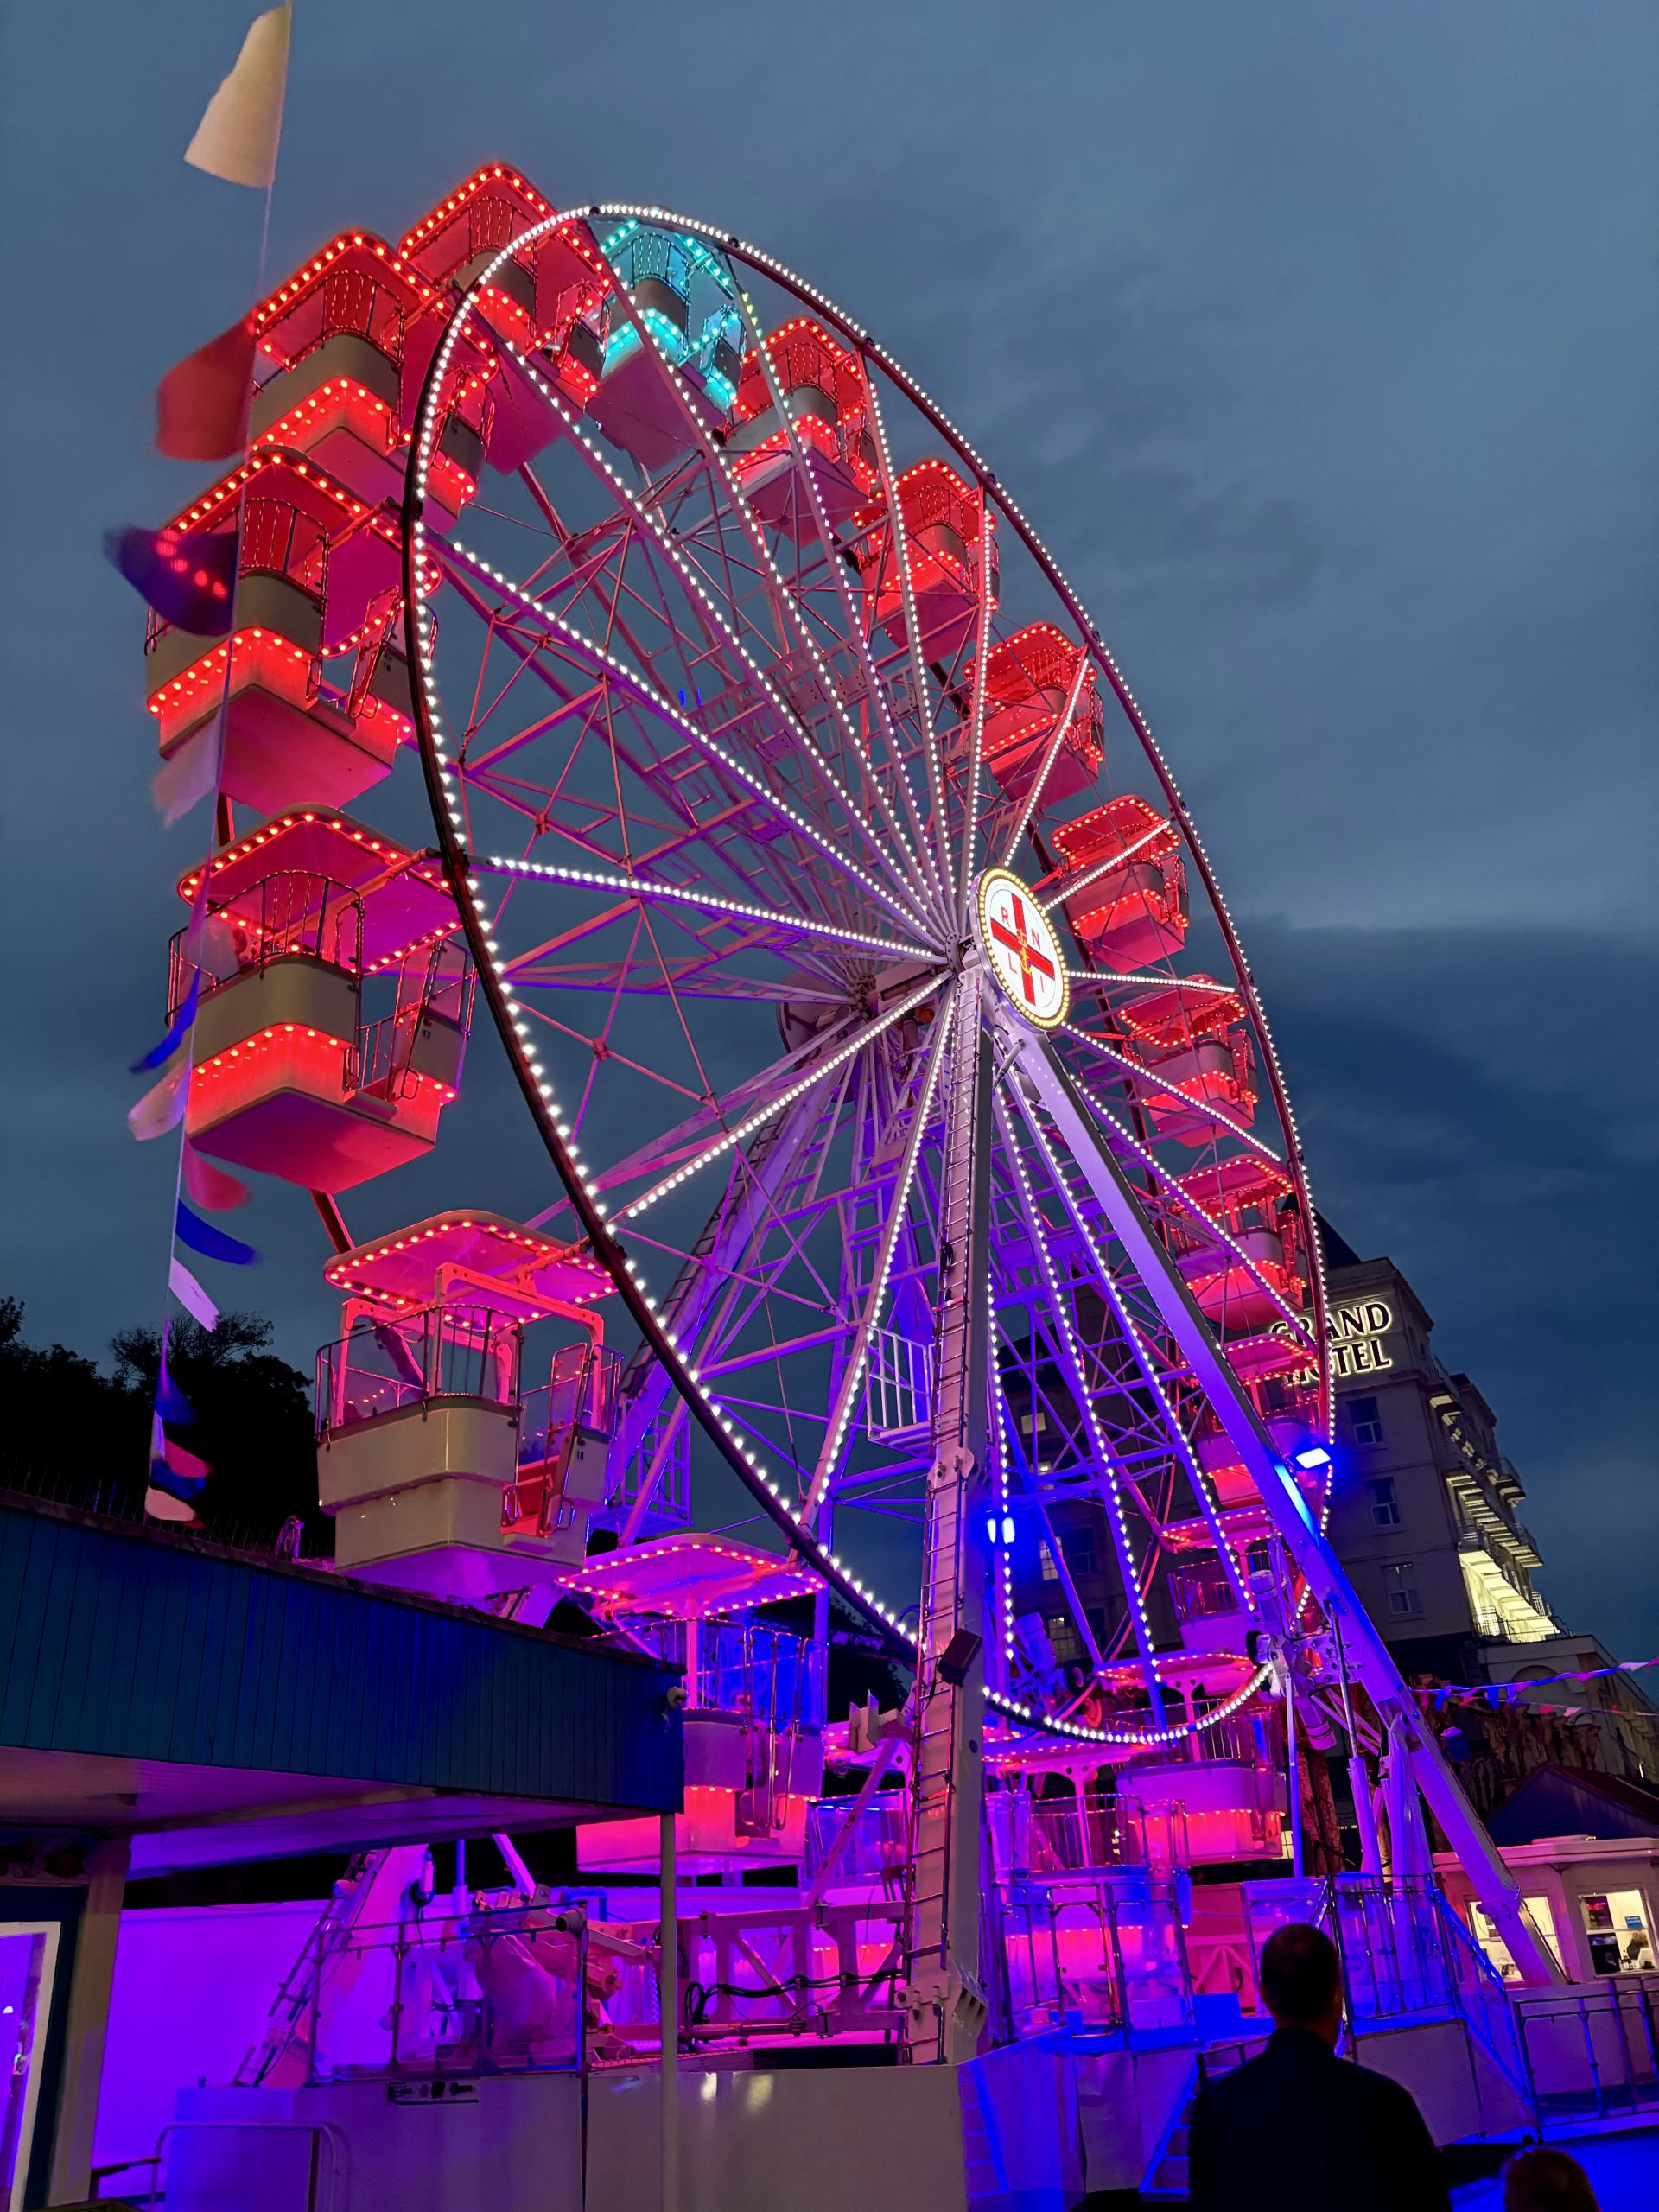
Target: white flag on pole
column 161, row 1107
column 188, row 776
column 191, row 1295
column 237, row 137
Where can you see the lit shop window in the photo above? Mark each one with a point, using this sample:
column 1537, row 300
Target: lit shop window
column 1366, row 1421
column 1620, row 1931
column 1385, row 1506
column 1537, row 1911
column 1401, row 1584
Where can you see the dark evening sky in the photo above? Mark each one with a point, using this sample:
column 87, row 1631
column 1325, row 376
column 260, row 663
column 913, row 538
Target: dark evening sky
column 1321, row 342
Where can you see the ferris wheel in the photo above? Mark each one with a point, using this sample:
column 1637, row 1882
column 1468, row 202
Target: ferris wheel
column 924, row 1179
column 861, row 964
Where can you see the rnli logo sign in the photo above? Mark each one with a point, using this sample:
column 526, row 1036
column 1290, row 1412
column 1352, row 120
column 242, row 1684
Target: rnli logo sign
column 1021, row 950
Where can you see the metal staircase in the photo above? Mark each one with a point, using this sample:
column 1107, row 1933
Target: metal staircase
column 284, row 2053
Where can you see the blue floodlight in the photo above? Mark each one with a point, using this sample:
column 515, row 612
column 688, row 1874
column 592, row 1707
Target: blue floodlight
column 1314, row 1456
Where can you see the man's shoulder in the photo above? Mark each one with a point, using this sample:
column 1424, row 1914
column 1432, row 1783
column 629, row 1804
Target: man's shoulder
column 1380, row 2089
column 1238, row 2084
column 1338, row 2078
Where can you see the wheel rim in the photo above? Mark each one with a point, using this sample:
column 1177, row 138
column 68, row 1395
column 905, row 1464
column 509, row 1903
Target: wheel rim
column 788, row 837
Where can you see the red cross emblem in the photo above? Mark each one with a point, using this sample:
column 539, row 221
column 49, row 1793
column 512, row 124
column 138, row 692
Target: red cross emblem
column 1024, row 949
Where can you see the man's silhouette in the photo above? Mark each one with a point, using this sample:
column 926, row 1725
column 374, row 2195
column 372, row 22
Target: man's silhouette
column 1301, row 2127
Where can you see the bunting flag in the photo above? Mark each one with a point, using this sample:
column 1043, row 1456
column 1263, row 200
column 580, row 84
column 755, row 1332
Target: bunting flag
column 171, row 1404
column 159, row 1506
column 161, row 1107
column 211, row 1186
column 186, row 777
column 191, row 1295
column 202, row 404
column 237, row 139
column 211, row 1243
column 1511, row 1693
column 187, row 575
column 182, row 1024
column 176, row 1474
column 210, row 945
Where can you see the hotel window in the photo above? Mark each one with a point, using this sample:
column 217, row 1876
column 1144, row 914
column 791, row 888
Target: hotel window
column 1078, row 1545
column 1401, row 1584
column 1385, row 1506
column 1068, row 1644
column 1050, row 1573
column 1365, row 1420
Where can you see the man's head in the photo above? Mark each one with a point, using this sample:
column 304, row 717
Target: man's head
column 1547, row 2181
column 1301, row 1980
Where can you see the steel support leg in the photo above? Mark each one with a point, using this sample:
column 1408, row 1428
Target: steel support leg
column 943, row 1998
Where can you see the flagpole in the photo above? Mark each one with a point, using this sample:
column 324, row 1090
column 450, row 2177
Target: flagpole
column 224, row 825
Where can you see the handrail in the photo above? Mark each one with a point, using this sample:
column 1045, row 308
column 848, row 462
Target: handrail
column 439, row 1352
column 292, row 913
column 1463, row 1951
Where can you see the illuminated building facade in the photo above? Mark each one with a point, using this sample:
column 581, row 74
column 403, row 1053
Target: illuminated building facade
column 1427, row 1522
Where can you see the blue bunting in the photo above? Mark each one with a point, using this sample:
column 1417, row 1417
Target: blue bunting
column 211, row 1243
column 187, row 576
column 176, row 1035
column 180, row 1473
column 171, row 1404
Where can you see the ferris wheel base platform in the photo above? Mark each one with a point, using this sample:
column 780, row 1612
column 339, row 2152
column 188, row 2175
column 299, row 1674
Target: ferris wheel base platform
column 1035, row 2126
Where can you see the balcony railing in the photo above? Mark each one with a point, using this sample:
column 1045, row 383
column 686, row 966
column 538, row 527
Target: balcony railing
column 578, row 1397
column 898, row 1388
column 762, row 1973
column 1201, row 1592
column 490, row 1990
column 1101, row 1951
column 387, row 1367
column 1234, row 1738
column 348, row 303
column 669, row 1436
column 576, row 1403
column 878, row 1848
column 290, row 915
column 745, row 1667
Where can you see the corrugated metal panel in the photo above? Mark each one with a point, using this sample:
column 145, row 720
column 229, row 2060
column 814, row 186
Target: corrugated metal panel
column 141, row 1646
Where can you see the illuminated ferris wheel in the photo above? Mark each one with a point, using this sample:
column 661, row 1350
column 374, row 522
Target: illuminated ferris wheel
column 924, row 1181
column 861, row 966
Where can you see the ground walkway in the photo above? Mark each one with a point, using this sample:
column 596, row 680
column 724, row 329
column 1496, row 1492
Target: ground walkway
column 1623, row 2171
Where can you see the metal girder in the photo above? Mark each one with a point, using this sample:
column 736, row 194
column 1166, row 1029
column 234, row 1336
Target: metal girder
column 945, row 2003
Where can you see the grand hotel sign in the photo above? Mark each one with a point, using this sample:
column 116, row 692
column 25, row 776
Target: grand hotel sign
column 1356, row 1333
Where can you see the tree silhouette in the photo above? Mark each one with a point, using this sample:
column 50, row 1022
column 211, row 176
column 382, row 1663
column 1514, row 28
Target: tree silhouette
column 77, row 1434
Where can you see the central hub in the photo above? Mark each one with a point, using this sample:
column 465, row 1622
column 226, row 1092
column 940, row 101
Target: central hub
column 1020, row 948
